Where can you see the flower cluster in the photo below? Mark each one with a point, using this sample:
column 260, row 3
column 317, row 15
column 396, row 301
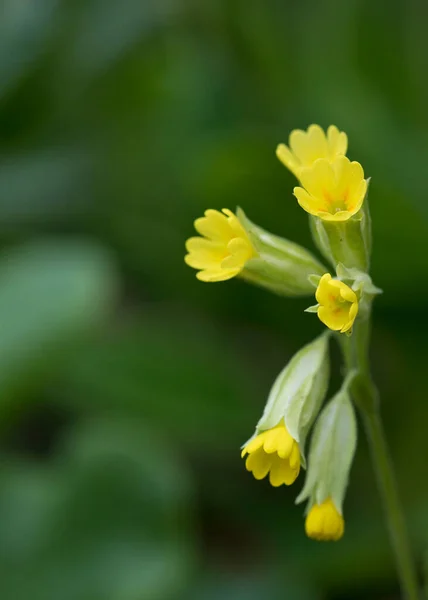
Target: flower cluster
column 333, row 191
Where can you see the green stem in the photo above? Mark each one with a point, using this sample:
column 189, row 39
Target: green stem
column 365, row 395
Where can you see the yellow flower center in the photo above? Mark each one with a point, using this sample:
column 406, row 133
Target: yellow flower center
column 276, row 452
column 336, row 205
column 338, row 304
column 224, row 248
column 324, row 522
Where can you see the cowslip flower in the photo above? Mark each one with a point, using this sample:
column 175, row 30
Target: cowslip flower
column 276, row 452
column 332, row 450
column 337, row 304
column 224, row 248
column 332, row 191
column 234, row 246
column 276, row 448
column 305, row 147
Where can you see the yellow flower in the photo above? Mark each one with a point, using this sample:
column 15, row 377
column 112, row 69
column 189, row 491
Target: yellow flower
column 276, row 452
column 333, row 191
column 307, row 146
column 223, row 251
column 338, row 304
column 324, row 522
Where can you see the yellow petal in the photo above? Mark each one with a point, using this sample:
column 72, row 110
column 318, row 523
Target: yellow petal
column 323, row 292
column 240, row 251
column 334, row 320
column 317, row 143
column 259, row 463
column 256, row 443
column 356, row 199
column 341, row 169
column 298, row 145
column 318, row 179
column 197, row 262
column 288, row 159
column 347, row 293
column 294, row 459
column 203, row 253
column 285, row 445
column 210, row 276
column 236, row 229
column 196, row 244
column 307, row 202
column 281, row 473
column 342, row 215
column 337, row 141
column 272, row 440
column 214, row 226
column 308, row 146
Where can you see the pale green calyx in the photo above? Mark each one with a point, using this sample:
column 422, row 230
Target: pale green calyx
column 298, row 391
column 348, row 242
column 358, row 280
column 281, row 266
column 331, row 453
column 361, row 283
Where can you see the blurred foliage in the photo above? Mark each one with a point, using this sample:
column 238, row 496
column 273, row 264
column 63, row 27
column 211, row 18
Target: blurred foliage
column 127, row 386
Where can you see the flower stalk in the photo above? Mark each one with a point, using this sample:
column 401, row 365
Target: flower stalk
column 366, row 398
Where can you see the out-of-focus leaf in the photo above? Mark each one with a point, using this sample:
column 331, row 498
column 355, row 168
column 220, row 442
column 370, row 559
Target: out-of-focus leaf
column 42, row 187
column 24, row 28
column 51, row 293
column 109, row 521
column 122, row 23
column 186, row 376
column 253, row 586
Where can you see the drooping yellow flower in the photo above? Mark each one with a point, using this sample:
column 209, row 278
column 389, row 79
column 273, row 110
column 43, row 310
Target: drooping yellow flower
column 332, row 191
column 337, row 304
column 307, row 146
column 276, row 452
column 324, row 522
column 223, row 251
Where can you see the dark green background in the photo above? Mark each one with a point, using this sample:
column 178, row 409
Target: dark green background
column 127, row 386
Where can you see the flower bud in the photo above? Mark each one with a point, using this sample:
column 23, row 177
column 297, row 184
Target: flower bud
column 332, row 450
column 294, row 401
column 279, row 265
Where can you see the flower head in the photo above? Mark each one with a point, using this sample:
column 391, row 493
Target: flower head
column 224, row 248
column 307, row 146
column 337, row 304
column 324, row 522
column 333, row 191
column 273, row 451
column 293, row 403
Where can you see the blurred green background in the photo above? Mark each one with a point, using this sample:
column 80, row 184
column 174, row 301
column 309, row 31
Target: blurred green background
column 127, row 386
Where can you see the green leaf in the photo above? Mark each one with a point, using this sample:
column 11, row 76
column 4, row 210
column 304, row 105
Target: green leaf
column 109, row 520
column 24, row 30
column 181, row 374
column 52, row 293
column 40, row 187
